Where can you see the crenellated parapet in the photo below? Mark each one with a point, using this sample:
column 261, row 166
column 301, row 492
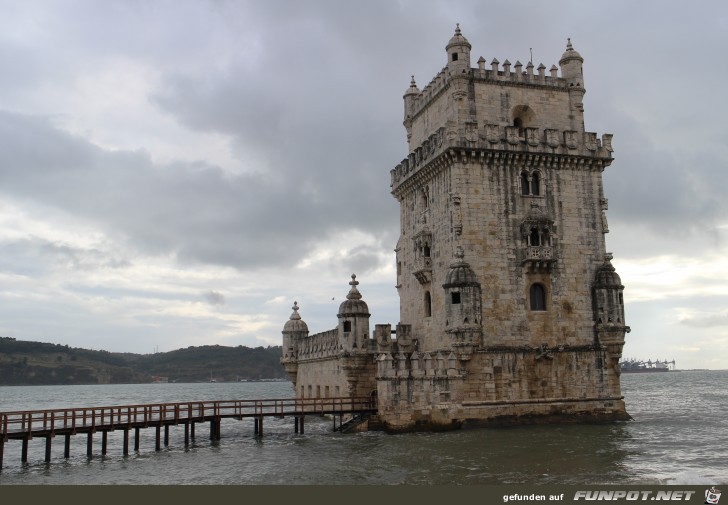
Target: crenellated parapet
column 319, row 345
column 419, row 365
column 489, row 139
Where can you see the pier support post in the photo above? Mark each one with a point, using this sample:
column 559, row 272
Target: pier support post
column 126, row 442
column 166, row 435
column 103, row 442
column 187, row 434
column 48, row 449
column 260, row 426
column 300, row 423
column 2, row 449
column 136, row 439
column 192, row 430
column 67, row 446
column 90, row 444
column 295, row 424
column 255, row 426
column 157, row 441
column 214, row 429
column 24, row 451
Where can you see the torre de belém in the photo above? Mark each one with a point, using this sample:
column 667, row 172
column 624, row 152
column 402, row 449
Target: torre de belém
column 510, row 309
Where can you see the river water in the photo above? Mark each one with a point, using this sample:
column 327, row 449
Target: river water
column 678, row 435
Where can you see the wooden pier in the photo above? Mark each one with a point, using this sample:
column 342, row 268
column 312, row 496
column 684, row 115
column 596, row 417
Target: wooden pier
column 26, row 425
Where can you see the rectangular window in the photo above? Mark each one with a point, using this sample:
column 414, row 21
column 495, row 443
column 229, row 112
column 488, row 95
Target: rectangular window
column 455, row 298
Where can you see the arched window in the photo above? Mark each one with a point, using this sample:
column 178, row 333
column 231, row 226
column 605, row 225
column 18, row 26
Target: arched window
column 428, row 304
column 426, row 251
column 538, row 297
column 524, row 183
column 535, row 184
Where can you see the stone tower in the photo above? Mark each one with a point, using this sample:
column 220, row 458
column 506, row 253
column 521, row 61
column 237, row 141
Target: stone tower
column 510, row 308
column 502, row 269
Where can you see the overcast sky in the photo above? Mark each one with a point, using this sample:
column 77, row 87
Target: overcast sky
column 177, row 173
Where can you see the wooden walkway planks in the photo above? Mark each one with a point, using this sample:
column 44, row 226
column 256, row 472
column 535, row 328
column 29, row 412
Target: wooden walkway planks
column 25, row 425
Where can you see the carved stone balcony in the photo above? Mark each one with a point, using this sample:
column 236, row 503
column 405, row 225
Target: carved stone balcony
column 423, row 270
column 538, row 258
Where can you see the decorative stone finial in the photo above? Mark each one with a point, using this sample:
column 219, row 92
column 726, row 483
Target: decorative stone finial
column 569, row 47
column 457, row 28
column 459, row 253
column 353, row 292
column 295, row 316
column 413, row 84
column 608, row 257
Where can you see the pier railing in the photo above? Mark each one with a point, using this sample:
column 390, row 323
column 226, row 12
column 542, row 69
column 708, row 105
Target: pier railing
column 25, row 424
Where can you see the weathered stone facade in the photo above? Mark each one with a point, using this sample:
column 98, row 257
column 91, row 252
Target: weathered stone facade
column 510, row 309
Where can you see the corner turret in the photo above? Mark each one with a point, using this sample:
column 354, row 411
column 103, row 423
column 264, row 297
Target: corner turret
column 294, row 330
column 573, row 73
column 458, row 52
column 353, row 320
column 410, row 98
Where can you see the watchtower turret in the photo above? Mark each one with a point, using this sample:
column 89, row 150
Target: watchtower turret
column 294, row 330
column 353, row 320
column 573, row 73
column 458, row 52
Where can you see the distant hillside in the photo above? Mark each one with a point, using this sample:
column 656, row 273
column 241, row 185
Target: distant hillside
column 38, row 363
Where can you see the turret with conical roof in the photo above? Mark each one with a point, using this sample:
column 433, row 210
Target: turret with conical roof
column 463, row 303
column 294, row 330
column 458, row 51
column 353, row 320
column 573, row 73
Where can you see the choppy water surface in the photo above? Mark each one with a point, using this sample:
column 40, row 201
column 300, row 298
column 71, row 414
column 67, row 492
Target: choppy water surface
column 679, row 435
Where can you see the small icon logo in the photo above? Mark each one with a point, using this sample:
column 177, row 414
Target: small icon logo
column 712, row 496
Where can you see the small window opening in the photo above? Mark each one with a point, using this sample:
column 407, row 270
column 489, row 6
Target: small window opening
column 426, row 251
column 465, row 321
column 534, row 238
column 454, row 56
column 538, row 297
column 347, row 326
column 518, row 123
column 621, row 300
column 455, row 298
column 524, row 183
column 428, row 304
column 535, row 184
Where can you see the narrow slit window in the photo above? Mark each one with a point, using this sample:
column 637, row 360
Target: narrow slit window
column 524, row 183
column 535, row 184
column 428, row 304
column 538, row 297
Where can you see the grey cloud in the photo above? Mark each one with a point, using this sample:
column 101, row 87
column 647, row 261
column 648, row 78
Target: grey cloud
column 711, row 321
column 215, row 298
column 196, row 211
column 34, row 257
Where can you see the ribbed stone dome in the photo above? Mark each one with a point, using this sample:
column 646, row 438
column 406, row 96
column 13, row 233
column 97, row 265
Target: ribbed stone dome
column 458, row 39
column 295, row 323
column 570, row 54
column 413, row 89
column 607, row 277
column 353, row 305
column 460, row 273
